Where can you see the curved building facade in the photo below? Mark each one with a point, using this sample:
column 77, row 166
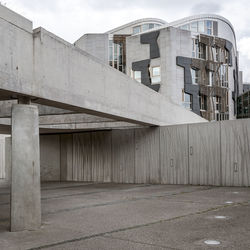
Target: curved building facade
column 192, row 61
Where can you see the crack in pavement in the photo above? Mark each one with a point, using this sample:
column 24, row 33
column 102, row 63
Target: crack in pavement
column 140, row 242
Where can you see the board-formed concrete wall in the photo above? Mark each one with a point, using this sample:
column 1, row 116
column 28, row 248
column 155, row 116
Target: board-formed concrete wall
column 5, row 160
column 2, row 157
column 235, row 153
column 50, row 157
column 215, row 153
column 199, row 154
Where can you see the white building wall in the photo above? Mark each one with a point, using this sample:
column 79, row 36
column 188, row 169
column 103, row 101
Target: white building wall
column 172, row 43
column 225, row 32
column 240, row 82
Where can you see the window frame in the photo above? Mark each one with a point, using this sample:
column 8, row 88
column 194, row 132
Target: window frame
column 195, row 76
column 187, row 104
column 138, row 79
column 152, row 75
column 139, row 27
column 203, row 102
column 208, row 28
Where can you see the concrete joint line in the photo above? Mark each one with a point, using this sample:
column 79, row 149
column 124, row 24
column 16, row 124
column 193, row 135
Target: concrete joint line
column 140, row 242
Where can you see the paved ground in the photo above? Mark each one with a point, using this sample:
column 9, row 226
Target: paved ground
column 112, row 216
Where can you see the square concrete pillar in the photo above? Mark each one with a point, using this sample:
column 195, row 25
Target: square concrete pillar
column 25, row 182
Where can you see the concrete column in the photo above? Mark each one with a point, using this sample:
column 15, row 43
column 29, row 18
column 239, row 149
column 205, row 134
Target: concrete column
column 25, row 183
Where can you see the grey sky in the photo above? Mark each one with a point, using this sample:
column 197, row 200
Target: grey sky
column 70, row 19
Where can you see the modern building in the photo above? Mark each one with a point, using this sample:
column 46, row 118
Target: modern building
column 192, row 61
column 243, row 104
column 246, row 87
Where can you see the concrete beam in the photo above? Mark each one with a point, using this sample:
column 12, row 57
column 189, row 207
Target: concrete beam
column 5, row 109
column 25, row 182
column 69, row 123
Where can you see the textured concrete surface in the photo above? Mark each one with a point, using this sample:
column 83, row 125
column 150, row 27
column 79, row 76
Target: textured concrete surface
column 119, row 216
column 152, row 155
column 25, row 161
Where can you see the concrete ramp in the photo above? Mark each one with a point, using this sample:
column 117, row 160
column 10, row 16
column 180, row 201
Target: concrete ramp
column 53, row 72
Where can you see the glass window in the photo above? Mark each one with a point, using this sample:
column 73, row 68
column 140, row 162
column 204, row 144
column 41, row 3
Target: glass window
column 209, row 27
column 209, row 24
column 186, row 100
column 156, row 71
column 224, row 75
column 203, row 102
column 195, row 48
column 115, row 65
column 217, row 102
column 148, row 26
column 110, row 43
column 120, row 48
column 116, row 55
column 218, row 52
column 136, row 29
column 185, row 27
column 212, row 55
column 201, row 26
column 151, row 25
column 145, row 27
column 211, row 78
column 115, row 51
column 195, row 76
column 194, row 26
column 226, row 56
column 187, row 97
column 156, row 74
column 202, row 51
column 137, row 76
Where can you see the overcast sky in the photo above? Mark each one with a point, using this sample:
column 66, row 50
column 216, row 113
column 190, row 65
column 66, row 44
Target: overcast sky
column 70, row 19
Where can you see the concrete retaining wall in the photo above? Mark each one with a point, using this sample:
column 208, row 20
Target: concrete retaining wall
column 201, row 154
